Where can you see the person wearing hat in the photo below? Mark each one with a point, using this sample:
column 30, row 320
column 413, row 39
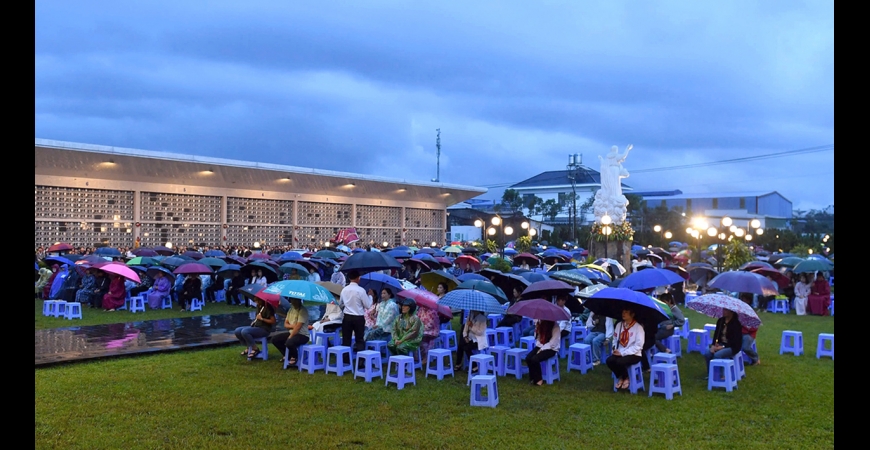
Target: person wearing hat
column 407, row 329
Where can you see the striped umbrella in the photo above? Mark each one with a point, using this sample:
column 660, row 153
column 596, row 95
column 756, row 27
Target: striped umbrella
column 471, row 300
column 572, row 277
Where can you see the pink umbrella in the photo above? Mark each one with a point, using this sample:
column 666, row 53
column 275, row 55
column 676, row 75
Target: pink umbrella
column 122, row 270
column 428, row 300
column 539, row 309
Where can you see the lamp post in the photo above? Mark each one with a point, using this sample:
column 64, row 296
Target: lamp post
column 606, row 230
column 658, row 229
column 506, row 231
column 497, row 221
column 479, row 224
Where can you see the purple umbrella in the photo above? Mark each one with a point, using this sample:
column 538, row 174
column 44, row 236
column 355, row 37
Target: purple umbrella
column 740, row 281
column 236, row 259
column 712, row 304
column 547, row 289
column 144, row 252
column 193, row 268
column 539, row 309
column 161, row 250
column 195, row 255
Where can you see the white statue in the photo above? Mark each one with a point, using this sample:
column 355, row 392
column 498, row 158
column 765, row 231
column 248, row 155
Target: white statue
column 609, row 199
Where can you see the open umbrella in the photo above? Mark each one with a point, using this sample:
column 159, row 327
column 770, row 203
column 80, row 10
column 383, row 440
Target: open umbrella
column 539, row 309
column 214, row 253
column 698, row 273
column 467, row 262
column 250, row 290
column 430, row 280
column 453, row 249
column 122, row 270
column 777, row 276
column 532, row 277
column 561, row 266
column 230, row 259
column 813, row 265
column 108, row 251
column 678, row 270
column 470, row 250
column 789, row 261
column 142, row 261
column 289, row 256
column 152, row 271
column 528, row 258
column 483, row 286
column 212, row 262
column 173, row 261
column 444, row 261
column 426, row 299
column 268, row 271
column 61, row 260
column 574, row 277
column 589, row 291
column 612, row 264
column 291, row 268
column 755, row 265
column 144, row 251
column 306, row 291
column 229, row 271
column 333, row 288
column 378, row 281
column 327, row 254
column 740, row 281
column 472, row 300
column 471, row 276
column 611, row 301
column 193, row 268
column 649, row 279
column 547, row 289
column 365, row 262
column 256, row 256
column 193, row 254
column 400, row 254
column 59, row 248
column 712, row 304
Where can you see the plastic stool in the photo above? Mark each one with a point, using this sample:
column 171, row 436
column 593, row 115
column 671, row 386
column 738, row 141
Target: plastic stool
column 675, row 345
column 380, row 347
column 820, row 348
column 220, row 296
column 832, row 306
column 312, row 358
column 527, row 343
column 443, row 359
column 339, row 367
column 404, row 371
column 264, row 349
column 722, row 374
column 711, row 328
column 550, row 370
column 498, row 352
column 665, row 379
column 480, row 383
column 485, row 365
column 446, row 326
column 504, row 336
column 327, row 338
column 563, row 346
column 493, row 320
column 196, row 304
column 578, row 333
column 664, row 358
column 58, row 309
column 166, row 302
column 48, row 306
column 137, row 304
column 684, row 330
column 72, row 310
column 580, row 358
column 635, row 379
column 792, row 342
column 372, row 365
column 699, row 341
column 417, row 355
column 739, row 366
column 514, row 362
column 491, row 337
column 778, row 306
column 448, row 340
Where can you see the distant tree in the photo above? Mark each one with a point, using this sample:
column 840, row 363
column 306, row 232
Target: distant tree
column 512, row 201
column 551, row 209
column 736, row 254
column 584, row 209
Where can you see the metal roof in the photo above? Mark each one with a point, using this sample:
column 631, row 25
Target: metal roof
column 715, row 195
column 70, row 159
column 554, row 178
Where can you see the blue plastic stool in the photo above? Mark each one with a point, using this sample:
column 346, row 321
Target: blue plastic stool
column 380, row 347
column 195, row 305
column 563, row 346
column 664, row 358
column 47, row 307
column 485, row 365
column 166, row 302
column 327, row 338
column 491, row 337
column 499, row 353
column 514, row 362
column 448, row 340
column 580, row 358
column 792, row 342
column 739, row 365
column 137, row 304
column 339, row 367
column 264, row 349
column 372, row 366
column 722, row 374
column 72, row 310
column 820, row 348
column 778, row 306
column 480, row 383
column 220, row 296
column 635, row 379
column 492, row 320
column 404, row 371
column 443, row 360
column 527, row 343
column 832, row 306
column 710, row 328
column 684, row 330
column 550, row 370
column 446, row 326
column 665, row 379
column 504, row 336
column 578, row 333
column 312, row 358
column 699, row 341
column 675, row 345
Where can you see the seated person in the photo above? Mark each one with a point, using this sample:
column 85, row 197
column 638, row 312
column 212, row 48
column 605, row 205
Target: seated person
column 600, row 333
column 191, row 289
column 727, row 339
column 297, row 333
column 160, row 288
column 627, row 348
column 117, row 294
column 384, row 314
column 473, row 337
column 407, row 330
column 547, row 341
column 666, row 328
column 331, row 319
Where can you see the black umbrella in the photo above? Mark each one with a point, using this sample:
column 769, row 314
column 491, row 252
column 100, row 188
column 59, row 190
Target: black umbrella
column 611, row 301
column 546, row 289
column 470, row 251
column 268, row 271
column 365, row 262
column 250, row 290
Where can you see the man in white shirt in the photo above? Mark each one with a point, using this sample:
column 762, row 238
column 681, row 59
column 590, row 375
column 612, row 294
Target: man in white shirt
column 355, row 302
column 313, row 276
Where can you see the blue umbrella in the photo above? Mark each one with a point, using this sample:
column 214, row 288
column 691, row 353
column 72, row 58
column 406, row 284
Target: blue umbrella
column 818, row 256
column 650, row 279
column 357, row 250
column 59, row 260
column 365, row 262
column 533, row 277
column 611, row 301
column 510, row 252
column 290, row 267
column 215, row 254
column 636, row 247
column 290, row 256
column 108, row 251
column 378, row 281
column 403, row 247
column 397, row 253
column 471, row 300
column 304, row 290
column 428, row 250
column 154, row 269
column 462, row 278
column 439, row 253
column 138, row 268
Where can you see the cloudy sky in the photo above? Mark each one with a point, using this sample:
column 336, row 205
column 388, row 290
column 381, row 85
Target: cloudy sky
column 515, row 87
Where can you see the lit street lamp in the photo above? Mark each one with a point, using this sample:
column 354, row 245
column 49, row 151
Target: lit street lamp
column 606, row 230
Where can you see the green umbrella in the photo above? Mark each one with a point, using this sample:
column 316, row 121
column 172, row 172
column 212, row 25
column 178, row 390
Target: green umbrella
column 290, row 267
column 813, row 265
column 789, row 261
column 327, row 254
column 664, row 306
column 213, row 262
column 142, row 261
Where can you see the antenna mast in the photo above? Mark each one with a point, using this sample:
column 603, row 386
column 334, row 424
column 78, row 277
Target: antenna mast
column 437, row 178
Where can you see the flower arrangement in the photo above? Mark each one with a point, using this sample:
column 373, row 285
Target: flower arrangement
column 619, row 232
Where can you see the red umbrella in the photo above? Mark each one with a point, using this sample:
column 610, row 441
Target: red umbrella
column 777, row 276
column 260, row 256
column 193, row 268
column 466, row 261
column 272, row 299
column 60, row 247
column 528, row 258
column 122, row 270
column 428, row 300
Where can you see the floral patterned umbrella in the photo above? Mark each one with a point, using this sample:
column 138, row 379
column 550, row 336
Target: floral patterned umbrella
column 712, row 304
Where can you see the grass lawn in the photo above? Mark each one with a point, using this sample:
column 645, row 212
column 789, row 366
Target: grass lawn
column 215, row 398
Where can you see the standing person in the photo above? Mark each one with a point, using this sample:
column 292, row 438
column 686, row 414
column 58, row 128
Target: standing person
column 297, row 333
column 407, row 330
column 547, row 342
column 355, row 302
column 627, row 348
column 727, row 339
column 473, row 336
column 261, row 327
column 600, row 333
column 801, row 293
column 666, row 328
column 44, row 275
column 116, row 295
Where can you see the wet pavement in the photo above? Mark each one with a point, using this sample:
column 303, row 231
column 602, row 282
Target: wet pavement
column 71, row 344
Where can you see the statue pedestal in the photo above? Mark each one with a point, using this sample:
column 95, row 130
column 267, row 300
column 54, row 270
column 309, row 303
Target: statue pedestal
column 618, row 250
